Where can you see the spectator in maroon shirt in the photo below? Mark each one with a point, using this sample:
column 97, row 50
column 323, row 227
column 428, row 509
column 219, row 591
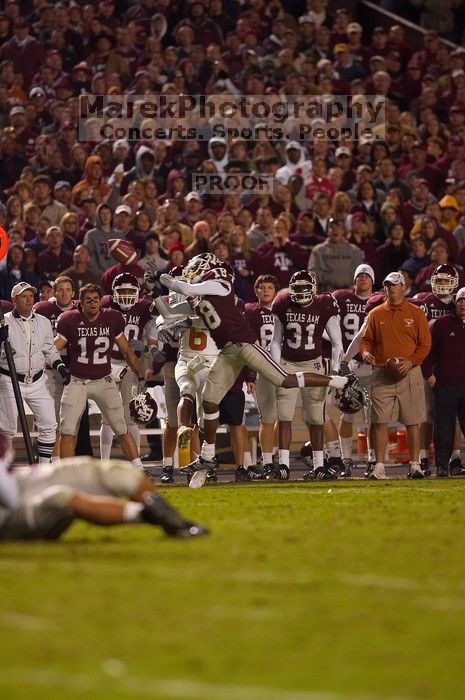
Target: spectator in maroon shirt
column 24, row 50
column 56, row 257
column 279, row 257
column 421, row 168
column 415, row 207
column 448, row 379
column 392, row 254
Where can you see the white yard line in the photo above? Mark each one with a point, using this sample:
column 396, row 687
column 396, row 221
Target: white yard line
column 180, row 689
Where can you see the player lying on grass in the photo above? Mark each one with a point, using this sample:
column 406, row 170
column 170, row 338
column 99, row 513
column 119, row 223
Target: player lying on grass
column 40, row 503
column 209, row 286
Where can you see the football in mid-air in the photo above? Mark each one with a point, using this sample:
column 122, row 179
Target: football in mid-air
column 123, row 251
column 393, row 369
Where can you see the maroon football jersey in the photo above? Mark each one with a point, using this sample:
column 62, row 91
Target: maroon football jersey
column 136, row 318
column 6, row 306
column 352, row 310
column 375, row 300
column 432, row 305
column 303, row 325
column 222, row 315
column 90, row 342
column 261, row 321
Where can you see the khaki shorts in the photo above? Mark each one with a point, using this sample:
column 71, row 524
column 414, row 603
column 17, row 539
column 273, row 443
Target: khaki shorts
column 231, row 360
column 105, row 394
column 265, row 394
column 171, row 395
column 405, row 398
column 313, row 398
column 125, row 386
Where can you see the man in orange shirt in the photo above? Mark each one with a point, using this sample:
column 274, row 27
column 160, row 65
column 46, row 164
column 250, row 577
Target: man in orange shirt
column 396, row 329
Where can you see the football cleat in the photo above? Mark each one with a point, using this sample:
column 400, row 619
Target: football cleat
column 456, row 467
column 415, row 471
column 184, row 436
column 255, row 473
column 369, row 470
column 425, row 466
column 201, row 464
column 268, row 469
column 157, row 511
column 378, row 472
column 347, row 466
column 442, row 472
column 306, row 454
column 241, row 475
column 278, row 473
column 167, row 476
column 325, row 473
column 335, row 463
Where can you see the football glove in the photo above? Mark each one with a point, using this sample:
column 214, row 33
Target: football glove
column 64, row 374
column 152, row 277
column 172, row 333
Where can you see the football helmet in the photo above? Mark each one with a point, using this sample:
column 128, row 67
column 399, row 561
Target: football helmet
column 302, row 287
column 444, row 280
column 143, row 408
column 125, row 290
column 199, row 265
column 353, row 397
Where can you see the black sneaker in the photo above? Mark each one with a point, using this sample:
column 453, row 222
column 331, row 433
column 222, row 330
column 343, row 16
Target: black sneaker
column 278, row 473
column 212, row 476
column 425, row 466
column 167, row 475
column 369, row 470
column 157, row 511
column 456, row 467
column 442, row 472
column 325, row 473
column 335, row 463
column 347, row 466
column 241, row 475
column 268, row 470
column 255, row 473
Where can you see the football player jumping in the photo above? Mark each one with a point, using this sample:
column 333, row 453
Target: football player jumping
column 211, row 294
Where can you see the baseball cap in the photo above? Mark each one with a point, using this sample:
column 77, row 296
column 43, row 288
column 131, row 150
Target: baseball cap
column 17, row 110
column 123, row 209
column 354, row 27
column 20, row 288
column 60, row 184
column 306, row 18
column 341, row 48
column 342, row 151
column 293, row 145
column 394, row 278
column 193, row 195
column 460, row 294
column 364, row 269
column 36, row 92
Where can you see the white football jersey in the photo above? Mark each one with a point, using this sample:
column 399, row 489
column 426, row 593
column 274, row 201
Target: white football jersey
column 195, row 341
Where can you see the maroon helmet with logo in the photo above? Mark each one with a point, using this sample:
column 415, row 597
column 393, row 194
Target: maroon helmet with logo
column 125, row 290
column 303, row 287
column 444, row 280
column 143, row 409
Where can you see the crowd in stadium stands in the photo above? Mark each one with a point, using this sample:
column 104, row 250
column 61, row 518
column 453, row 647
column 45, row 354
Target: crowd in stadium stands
column 394, row 204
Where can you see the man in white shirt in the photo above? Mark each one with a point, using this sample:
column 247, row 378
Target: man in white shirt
column 31, row 339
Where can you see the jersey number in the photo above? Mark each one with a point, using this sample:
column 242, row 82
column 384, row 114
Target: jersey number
column 351, row 323
column 197, row 340
column 209, row 314
column 266, row 335
column 99, row 356
column 295, row 338
column 131, row 331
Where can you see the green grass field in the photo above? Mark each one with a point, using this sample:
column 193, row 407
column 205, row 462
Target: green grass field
column 302, row 592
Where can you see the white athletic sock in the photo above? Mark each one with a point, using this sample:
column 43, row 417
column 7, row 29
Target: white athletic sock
column 106, row 441
column 284, row 457
column 423, row 454
column 137, row 463
column 131, row 512
column 134, row 430
column 247, row 459
column 167, row 461
column 267, row 457
column 207, row 451
column 318, row 458
column 334, row 448
column 346, row 447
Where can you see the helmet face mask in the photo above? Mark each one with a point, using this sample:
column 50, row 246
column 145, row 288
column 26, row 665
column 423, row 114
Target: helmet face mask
column 444, row 280
column 199, row 265
column 303, row 287
column 125, row 291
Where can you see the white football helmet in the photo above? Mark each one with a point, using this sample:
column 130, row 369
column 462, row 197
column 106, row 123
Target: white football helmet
column 199, row 265
column 125, row 291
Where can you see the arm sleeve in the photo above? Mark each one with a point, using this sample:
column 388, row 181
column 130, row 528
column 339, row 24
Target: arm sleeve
column 424, row 340
column 333, row 328
column 209, row 287
column 183, row 308
column 354, row 347
column 276, row 341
